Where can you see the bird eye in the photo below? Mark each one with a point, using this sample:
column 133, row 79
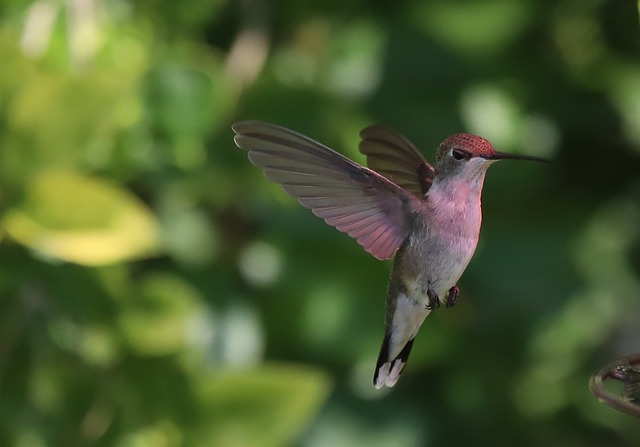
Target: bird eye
column 459, row 154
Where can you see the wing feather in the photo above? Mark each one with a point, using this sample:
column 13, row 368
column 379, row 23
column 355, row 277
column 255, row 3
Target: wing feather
column 368, row 206
column 396, row 158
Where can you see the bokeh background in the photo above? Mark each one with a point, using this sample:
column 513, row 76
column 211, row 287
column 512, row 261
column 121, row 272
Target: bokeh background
column 156, row 290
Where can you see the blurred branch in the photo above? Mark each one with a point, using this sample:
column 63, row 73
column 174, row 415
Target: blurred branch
column 249, row 50
column 38, row 27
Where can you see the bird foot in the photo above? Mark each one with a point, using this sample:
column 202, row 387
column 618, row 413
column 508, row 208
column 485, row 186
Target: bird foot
column 434, row 300
column 452, row 298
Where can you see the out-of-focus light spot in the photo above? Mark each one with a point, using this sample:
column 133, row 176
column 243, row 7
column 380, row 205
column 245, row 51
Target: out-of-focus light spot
column 294, row 67
column 189, row 236
column 98, row 347
column 94, row 344
column 474, row 28
column 539, row 136
column 345, row 61
column 260, row 264
column 298, row 63
column 202, row 330
column 242, row 337
column 357, row 69
column 489, row 112
column 64, row 333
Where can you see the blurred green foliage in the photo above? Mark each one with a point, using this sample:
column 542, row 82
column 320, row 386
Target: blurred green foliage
column 156, row 290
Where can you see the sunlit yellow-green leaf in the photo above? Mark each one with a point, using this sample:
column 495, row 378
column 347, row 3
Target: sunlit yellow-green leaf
column 82, row 219
column 265, row 407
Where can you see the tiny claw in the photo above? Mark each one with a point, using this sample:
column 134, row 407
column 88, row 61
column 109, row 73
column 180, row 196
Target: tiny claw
column 452, row 298
column 434, row 300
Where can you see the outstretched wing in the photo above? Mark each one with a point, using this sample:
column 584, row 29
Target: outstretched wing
column 348, row 196
column 396, row 158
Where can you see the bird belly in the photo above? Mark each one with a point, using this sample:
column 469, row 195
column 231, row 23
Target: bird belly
column 436, row 263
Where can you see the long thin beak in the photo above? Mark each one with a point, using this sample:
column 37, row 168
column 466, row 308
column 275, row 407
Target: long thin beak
column 505, row 156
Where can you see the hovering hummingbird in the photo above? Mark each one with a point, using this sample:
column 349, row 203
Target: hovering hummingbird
column 428, row 217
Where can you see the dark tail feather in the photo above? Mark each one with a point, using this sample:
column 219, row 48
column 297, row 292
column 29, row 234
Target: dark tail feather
column 388, row 371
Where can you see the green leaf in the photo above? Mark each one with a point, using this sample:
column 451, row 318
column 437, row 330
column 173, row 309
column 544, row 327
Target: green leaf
column 82, row 219
column 161, row 317
column 265, row 407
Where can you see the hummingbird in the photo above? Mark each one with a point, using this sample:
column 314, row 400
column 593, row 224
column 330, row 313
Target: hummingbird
column 428, row 218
